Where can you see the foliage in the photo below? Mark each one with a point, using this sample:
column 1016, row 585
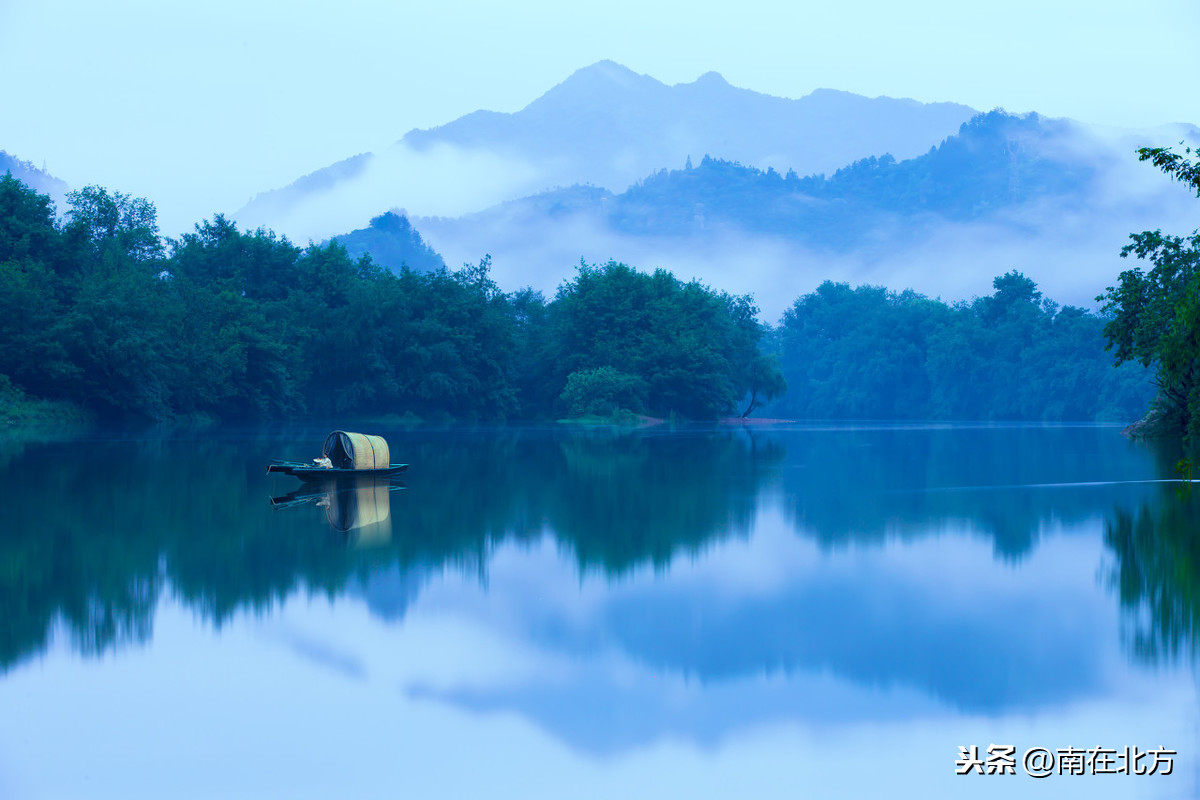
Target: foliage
column 870, row 353
column 1156, row 314
column 1177, row 165
column 225, row 323
column 690, row 351
column 19, row 412
column 233, row 324
column 602, row 392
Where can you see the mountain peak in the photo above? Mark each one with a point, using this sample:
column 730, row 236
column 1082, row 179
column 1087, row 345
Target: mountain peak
column 605, row 69
column 605, row 84
column 604, row 76
column 711, row 78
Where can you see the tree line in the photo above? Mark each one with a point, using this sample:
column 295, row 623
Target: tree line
column 221, row 323
column 871, row 353
column 97, row 309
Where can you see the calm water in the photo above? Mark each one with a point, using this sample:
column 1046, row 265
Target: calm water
column 805, row 611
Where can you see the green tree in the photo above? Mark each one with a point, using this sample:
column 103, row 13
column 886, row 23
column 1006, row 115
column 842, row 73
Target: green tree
column 32, row 295
column 871, row 353
column 1156, row 313
column 602, row 392
column 112, row 230
column 694, row 349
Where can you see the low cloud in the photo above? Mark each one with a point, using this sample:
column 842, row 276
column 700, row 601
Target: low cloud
column 1071, row 248
column 1069, row 245
column 440, row 181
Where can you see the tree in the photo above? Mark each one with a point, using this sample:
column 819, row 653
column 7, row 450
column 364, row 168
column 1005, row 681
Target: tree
column 692, row 349
column 602, row 392
column 1156, row 314
column 31, row 319
column 1177, row 165
column 112, row 230
column 766, row 382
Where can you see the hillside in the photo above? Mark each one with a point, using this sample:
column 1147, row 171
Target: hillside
column 392, row 243
column 610, row 126
column 606, row 126
column 996, row 161
column 33, row 177
column 1047, row 196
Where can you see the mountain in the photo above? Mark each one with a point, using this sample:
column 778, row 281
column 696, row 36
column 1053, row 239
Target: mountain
column 392, row 243
column 610, row 126
column 1052, row 198
column 606, row 126
column 995, row 161
column 34, row 178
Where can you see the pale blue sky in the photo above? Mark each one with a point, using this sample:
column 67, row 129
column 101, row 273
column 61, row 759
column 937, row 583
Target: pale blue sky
column 199, row 105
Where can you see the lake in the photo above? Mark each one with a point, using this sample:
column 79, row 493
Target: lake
column 801, row 610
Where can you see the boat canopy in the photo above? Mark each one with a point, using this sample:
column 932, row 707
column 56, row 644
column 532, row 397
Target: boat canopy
column 356, row 451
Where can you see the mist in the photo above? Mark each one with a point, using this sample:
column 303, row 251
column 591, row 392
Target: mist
column 1070, row 245
column 461, row 200
column 441, row 180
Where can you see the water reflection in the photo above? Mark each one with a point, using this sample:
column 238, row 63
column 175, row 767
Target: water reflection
column 1157, row 573
column 1005, row 483
column 874, row 523
column 100, row 528
column 358, row 507
column 774, row 630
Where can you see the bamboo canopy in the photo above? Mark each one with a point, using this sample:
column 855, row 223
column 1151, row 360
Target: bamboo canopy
column 349, row 450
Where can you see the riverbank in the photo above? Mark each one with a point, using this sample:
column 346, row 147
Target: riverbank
column 21, row 413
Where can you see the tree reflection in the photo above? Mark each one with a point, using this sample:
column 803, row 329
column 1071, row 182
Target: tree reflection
column 100, row 528
column 1157, row 570
column 618, row 500
column 97, row 530
column 853, row 486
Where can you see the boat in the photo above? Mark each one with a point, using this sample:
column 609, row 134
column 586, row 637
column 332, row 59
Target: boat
column 349, row 454
column 307, row 472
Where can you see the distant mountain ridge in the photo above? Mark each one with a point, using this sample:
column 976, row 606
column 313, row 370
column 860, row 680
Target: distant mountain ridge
column 1050, row 197
column 314, row 182
column 753, row 193
column 996, row 161
column 34, row 178
column 614, row 126
column 608, row 126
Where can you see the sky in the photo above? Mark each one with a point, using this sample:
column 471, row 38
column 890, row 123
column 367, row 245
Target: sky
column 198, row 106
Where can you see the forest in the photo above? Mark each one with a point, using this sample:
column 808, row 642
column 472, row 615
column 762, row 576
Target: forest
column 227, row 324
column 877, row 354
column 100, row 312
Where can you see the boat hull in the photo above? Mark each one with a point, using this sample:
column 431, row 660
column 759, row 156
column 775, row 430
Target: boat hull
column 307, row 472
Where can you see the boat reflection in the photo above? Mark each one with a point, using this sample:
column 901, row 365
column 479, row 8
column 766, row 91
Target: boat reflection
column 359, row 508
